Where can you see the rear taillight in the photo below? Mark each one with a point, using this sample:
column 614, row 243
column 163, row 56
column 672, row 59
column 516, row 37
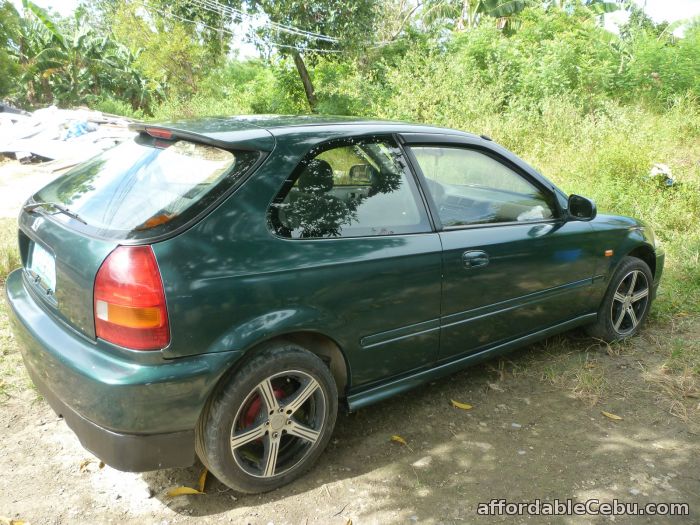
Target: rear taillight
column 159, row 133
column 129, row 300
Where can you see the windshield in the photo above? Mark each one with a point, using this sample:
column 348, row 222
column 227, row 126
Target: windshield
column 146, row 186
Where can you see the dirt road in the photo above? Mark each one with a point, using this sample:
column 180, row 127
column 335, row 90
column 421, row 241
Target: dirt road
column 536, row 430
column 18, row 182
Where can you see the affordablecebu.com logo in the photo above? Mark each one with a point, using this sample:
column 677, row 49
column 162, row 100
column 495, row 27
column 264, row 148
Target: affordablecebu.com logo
column 569, row 507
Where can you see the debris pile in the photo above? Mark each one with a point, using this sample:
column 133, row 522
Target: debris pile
column 60, row 137
column 661, row 173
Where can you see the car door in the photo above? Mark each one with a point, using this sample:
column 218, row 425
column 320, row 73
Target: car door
column 512, row 264
column 355, row 242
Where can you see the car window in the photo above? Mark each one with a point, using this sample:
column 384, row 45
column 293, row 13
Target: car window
column 146, row 185
column 362, row 188
column 470, row 187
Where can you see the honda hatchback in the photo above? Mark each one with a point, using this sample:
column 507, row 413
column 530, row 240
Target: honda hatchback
column 218, row 288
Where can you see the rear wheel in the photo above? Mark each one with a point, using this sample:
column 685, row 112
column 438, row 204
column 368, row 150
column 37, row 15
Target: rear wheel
column 626, row 303
column 270, row 421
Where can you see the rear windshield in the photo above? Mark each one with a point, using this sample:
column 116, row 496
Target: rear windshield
column 146, row 186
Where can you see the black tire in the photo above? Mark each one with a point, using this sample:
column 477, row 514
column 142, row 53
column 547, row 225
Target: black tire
column 228, row 436
column 615, row 321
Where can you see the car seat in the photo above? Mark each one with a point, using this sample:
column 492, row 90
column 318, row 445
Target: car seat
column 314, row 211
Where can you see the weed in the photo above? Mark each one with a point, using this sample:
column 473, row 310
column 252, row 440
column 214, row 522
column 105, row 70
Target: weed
column 9, row 254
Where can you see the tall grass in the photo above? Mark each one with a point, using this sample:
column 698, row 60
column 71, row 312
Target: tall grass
column 606, row 154
column 9, row 254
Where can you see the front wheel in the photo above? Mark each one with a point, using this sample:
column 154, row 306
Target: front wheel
column 270, row 421
column 626, row 302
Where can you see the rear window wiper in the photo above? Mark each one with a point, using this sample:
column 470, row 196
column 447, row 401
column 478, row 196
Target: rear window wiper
column 60, row 207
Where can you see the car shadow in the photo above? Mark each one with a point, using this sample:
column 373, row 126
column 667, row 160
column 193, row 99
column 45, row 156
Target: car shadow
column 524, row 439
column 361, row 443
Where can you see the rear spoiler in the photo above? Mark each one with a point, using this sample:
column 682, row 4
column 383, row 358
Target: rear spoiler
column 245, row 140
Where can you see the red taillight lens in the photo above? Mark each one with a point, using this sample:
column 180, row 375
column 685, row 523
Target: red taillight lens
column 129, row 300
column 159, row 133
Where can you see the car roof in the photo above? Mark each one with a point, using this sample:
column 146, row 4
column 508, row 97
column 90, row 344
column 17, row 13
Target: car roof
column 257, row 130
column 277, row 122
column 262, row 132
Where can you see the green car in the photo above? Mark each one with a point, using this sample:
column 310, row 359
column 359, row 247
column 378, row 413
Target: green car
column 217, row 288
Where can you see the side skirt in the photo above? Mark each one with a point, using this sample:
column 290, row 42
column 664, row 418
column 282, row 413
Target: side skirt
column 380, row 392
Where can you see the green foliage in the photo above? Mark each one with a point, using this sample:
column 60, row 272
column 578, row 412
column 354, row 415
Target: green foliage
column 660, row 68
column 639, row 21
column 305, row 27
column 68, row 62
column 9, row 30
column 167, row 52
column 206, row 24
column 116, row 106
column 9, row 254
column 238, row 88
column 467, row 14
column 350, row 24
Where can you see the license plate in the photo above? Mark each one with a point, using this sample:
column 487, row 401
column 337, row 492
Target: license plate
column 42, row 263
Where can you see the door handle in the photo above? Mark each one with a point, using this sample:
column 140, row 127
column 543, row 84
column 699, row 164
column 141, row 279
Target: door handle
column 474, row 259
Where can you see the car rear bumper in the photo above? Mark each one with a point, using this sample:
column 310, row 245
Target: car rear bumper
column 134, row 410
column 127, row 452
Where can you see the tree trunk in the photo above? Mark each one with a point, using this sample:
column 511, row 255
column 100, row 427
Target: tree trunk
column 306, row 80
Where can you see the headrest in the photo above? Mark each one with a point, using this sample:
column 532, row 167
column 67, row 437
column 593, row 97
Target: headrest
column 373, row 175
column 317, row 177
column 364, row 171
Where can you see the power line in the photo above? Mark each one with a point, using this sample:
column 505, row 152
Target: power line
column 240, row 17
column 217, row 7
column 213, row 6
column 277, row 25
column 229, row 32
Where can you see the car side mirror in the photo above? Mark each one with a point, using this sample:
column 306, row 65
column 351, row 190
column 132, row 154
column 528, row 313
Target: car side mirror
column 581, row 208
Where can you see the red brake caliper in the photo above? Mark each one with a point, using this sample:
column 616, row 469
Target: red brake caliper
column 256, row 406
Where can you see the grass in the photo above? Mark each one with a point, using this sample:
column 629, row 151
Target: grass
column 12, row 377
column 569, row 364
column 9, row 254
column 675, row 374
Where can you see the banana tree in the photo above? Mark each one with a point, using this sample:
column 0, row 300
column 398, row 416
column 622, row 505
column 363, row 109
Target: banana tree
column 467, row 14
column 73, row 63
column 127, row 82
column 597, row 7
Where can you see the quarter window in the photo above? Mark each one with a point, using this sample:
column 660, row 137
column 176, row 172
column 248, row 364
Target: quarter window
column 354, row 189
column 470, row 187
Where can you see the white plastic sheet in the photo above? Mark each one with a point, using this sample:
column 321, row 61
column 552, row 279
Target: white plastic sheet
column 69, row 136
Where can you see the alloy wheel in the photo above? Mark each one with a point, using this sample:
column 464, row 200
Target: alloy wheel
column 630, row 302
column 278, row 424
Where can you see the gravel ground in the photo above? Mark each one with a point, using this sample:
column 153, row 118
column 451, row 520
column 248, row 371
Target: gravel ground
column 18, row 182
column 532, row 433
